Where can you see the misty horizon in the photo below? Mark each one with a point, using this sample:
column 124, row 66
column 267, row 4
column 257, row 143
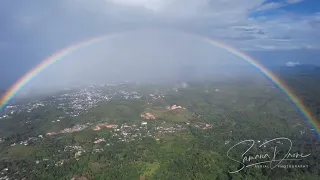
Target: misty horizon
column 141, row 56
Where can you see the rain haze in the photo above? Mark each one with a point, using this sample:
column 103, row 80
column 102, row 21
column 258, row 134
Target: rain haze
column 151, row 55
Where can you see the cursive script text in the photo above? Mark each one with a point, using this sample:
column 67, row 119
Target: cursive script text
column 274, row 160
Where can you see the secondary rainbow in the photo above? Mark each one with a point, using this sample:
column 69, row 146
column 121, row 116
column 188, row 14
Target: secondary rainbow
column 10, row 94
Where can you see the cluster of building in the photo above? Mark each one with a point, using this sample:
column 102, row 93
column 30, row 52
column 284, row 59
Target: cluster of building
column 174, row 107
column 77, row 149
column 28, row 141
column 73, row 102
column 76, row 101
column 108, row 126
column 99, row 141
column 4, row 175
column 157, row 95
column 169, row 130
column 75, row 128
column 200, row 125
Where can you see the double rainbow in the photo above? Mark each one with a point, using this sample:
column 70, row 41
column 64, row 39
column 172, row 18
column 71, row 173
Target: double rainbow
column 10, row 94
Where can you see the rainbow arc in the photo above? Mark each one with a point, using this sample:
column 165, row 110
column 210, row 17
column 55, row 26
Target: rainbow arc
column 59, row 55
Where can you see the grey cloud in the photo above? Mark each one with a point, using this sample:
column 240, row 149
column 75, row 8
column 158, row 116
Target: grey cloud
column 315, row 24
column 74, row 20
column 250, row 30
column 241, row 38
column 284, row 37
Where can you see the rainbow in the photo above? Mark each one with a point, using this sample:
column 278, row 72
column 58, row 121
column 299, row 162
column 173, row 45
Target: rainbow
column 10, row 94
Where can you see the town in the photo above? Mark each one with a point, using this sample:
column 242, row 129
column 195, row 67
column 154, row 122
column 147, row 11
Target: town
column 73, row 102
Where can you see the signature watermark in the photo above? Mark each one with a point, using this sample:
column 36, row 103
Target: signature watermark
column 266, row 160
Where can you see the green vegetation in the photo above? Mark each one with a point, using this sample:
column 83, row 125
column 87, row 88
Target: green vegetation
column 235, row 111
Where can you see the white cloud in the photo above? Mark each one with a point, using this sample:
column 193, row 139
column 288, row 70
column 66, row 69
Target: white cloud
column 275, row 5
column 225, row 20
column 292, row 64
column 272, row 5
column 154, row 5
column 176, row 8
column 294, row 1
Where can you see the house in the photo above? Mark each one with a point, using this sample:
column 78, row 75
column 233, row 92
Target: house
column 99, row 141
column 51, row 133
column 174, row 107
column 147, row 116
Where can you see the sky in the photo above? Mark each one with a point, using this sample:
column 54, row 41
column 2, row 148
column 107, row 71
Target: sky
column 273, row 31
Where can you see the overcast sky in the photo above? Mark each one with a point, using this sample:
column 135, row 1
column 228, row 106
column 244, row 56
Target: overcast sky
column 275, row 31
